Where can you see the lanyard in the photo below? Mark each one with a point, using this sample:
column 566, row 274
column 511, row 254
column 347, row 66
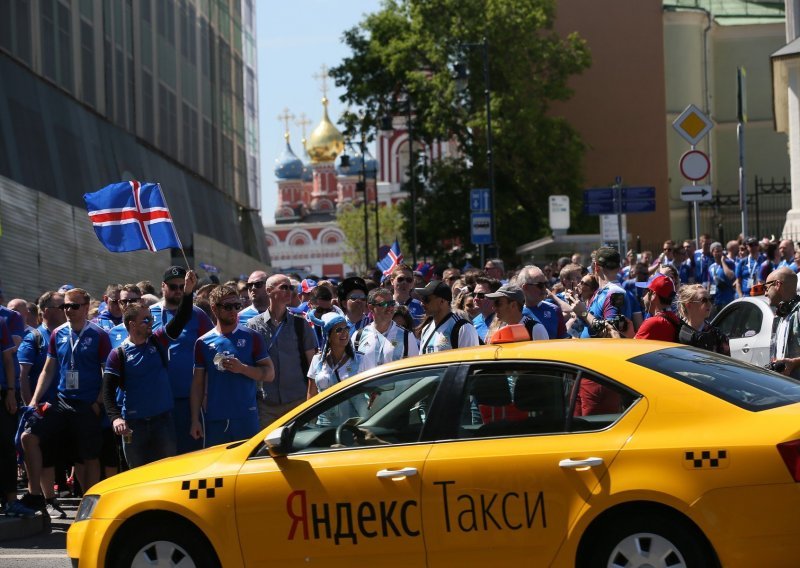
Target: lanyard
column 275, row 336
column 74, row 344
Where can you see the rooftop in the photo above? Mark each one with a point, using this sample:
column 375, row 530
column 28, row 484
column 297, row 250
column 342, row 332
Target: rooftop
column 734, row 12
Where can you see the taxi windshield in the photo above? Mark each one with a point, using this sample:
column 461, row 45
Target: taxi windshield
column 742, row 384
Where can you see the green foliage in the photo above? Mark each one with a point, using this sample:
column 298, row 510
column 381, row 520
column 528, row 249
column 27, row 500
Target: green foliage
column 408, row 51
column 351, row 221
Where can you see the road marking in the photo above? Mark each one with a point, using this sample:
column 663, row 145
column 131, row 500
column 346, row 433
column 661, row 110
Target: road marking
column 22, row 556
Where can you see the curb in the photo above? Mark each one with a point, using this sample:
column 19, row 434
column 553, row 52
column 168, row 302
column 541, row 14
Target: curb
column 13, row 528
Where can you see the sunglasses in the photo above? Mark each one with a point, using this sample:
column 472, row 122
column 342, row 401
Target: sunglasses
column 129, row 301
column 768, row 284
column 147, row 320
column 259, row 284
column 386, row 304
column 480, row 295
column 231, row 306
column 703, row 300
column 340, row 329
column 175, row 287
column 282, row 287
column 357, row 298
column 71, row 306
column 401, row 279
column 540, row 285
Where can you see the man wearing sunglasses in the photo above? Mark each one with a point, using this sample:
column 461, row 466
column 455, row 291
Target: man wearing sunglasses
column 781, row 289
column 402, row 281
column 533, row 282
column 444, row 330
column 75, row 357
column 229, row 360
column 259, row 299
column 111, row 315
column 483, row 286
column 508, row 303
column 291, row 345
column 383, row 337
column 181, row 352
column 353, row 299
column 129, row 295
column 138, row 367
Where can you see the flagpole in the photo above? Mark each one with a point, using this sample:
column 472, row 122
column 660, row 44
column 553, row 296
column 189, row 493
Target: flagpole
column 161, row 191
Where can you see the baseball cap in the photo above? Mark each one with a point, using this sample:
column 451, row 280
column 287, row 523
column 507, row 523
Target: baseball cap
column 66, row 288
column 174, row 272
column 307, row 285
column 435, row 288
column 751, row 241
column 661, row 285
column 607, row 257
column 509, row 291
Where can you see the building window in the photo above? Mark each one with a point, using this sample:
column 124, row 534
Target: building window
column 87, row 63
column 23, row 30
column 148, row 110
column 48, row 31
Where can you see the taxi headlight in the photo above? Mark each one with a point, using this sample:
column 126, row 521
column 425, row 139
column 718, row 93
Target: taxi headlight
column 88, row 503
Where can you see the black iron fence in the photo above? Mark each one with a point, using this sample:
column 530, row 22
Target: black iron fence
column 766, row 211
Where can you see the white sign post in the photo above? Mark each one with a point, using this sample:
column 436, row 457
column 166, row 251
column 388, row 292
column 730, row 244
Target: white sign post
column 610, row 226
column 559, row 212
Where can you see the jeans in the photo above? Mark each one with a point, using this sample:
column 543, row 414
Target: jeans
column 153, row 439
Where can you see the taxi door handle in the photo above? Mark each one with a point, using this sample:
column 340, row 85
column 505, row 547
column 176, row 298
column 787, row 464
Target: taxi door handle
column 397, row 473
column 746, row 349
column 578, row 464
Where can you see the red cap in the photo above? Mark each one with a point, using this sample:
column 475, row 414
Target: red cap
column 661, row 285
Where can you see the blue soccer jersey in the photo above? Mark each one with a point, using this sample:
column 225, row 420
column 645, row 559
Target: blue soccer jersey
column 80, row 358
column 230, row 395
column 16, row 328
column 117, row 335
column 146, row 391
column 33, row 351
column 181, row 350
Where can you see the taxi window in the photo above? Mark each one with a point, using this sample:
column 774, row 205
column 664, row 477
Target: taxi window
column 525, row 399
column 387, row 410
column 744, row 385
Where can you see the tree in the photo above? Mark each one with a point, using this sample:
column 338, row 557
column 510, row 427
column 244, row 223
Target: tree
column 407, row 52
column 351, row 221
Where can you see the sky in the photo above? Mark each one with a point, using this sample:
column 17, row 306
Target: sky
column 294, row 40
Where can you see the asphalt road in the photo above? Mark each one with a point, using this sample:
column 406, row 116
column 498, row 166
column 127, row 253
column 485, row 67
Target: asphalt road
column 43, row 550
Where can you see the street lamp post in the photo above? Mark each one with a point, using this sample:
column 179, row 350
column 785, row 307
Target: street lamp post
column 461, row 76
column 412, row 180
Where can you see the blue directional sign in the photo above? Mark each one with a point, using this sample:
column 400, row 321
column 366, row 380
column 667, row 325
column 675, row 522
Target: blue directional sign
column 481, row 228
column 479, row 199
column 602, row 200
column 638, row 193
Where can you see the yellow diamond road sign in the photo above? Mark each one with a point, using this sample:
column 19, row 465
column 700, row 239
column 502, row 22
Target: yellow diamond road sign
column 692, row 125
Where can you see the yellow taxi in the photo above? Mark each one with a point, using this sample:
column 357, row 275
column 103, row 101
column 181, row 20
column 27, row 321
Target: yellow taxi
column 564, row 453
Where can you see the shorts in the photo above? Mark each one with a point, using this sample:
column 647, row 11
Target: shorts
column 71, row 422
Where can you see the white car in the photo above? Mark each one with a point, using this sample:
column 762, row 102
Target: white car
column 748, row 324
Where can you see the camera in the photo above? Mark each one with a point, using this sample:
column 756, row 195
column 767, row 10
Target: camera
column 598, row 326
column 777, row 366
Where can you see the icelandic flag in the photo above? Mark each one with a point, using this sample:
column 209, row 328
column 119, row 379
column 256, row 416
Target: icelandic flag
column 130, row 216
column 392, row 259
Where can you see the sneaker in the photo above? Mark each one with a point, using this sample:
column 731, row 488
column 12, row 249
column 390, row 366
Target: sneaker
column 17, row 509
column 54, row 509
column 35, row 502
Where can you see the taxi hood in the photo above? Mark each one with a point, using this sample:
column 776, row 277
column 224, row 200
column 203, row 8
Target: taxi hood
column 178, row 466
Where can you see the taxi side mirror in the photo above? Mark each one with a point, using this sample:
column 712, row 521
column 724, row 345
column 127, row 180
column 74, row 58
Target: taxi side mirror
column 279, row 441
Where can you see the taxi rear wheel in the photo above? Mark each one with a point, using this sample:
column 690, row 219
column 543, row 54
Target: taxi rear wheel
column 175, row 545
column 642, row 540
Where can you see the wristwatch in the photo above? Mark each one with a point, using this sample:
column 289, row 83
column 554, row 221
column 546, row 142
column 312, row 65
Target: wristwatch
column 583, row 314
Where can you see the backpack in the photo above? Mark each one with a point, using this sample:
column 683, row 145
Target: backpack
column 121, row 354
column 687, row 335
column 454, row 333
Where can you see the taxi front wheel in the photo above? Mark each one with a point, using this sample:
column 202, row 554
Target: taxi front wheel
column 643, row 540
column 165, row 545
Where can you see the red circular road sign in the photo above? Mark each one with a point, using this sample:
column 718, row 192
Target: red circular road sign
column 695, row 165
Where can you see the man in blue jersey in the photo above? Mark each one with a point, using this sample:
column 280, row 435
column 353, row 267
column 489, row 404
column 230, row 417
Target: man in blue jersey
column 786, row 250
column 703, row 259
column 75, row 357
column 533, row 282
column 747, row 269
column 138, row 367
column 259, row 298
column 610, row 301
column 181, row 353
column 402, row 281
column 228, row 361
column 17, row 329
column 112, row 314
column 483, row 286
column 721, row 278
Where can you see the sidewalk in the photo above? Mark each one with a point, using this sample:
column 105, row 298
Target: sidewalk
column 12, row 528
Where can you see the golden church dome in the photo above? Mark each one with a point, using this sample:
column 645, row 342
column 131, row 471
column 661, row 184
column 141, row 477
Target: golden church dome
column 325, row 142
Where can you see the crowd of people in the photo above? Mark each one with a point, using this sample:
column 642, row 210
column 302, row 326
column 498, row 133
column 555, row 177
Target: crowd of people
column 94, row 386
